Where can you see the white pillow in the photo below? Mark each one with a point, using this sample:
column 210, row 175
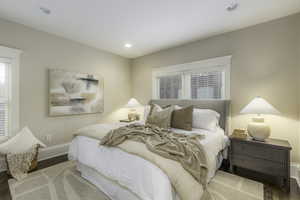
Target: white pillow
column 146, row 111
column 148, row 108
column 20, row 143
column 205, row 119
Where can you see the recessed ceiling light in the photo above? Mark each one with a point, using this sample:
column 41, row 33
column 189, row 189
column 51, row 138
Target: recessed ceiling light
column 127, row 45
column 46, row 11
column 232, row 6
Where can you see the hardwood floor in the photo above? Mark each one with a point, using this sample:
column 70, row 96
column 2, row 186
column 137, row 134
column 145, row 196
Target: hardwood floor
column 4, row 190
column 5, row 194
column 293, row 195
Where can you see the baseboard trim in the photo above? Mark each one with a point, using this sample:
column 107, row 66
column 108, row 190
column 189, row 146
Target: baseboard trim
column 45, row 153
column 53, row 151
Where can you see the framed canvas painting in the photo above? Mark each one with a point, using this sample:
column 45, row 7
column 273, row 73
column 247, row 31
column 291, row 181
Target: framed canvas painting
column 73, row 93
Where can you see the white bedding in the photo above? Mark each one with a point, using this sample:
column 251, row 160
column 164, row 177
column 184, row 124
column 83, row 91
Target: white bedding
column 139, row 176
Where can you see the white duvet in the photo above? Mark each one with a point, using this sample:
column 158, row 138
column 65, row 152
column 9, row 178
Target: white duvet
column 139, row 176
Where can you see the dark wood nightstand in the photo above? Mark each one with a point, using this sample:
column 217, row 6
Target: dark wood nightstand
column 270, row 158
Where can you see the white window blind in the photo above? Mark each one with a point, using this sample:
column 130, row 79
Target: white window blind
column 207, row 79
column 207, row 85
column 9, row 91
column 4, row 98
column 170, row 87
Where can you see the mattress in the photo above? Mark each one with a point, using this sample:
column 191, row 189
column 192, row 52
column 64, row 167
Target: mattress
column 139, row 176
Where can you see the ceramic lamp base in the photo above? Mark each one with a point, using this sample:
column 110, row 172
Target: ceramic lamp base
column 258, row 130
column 133, row 116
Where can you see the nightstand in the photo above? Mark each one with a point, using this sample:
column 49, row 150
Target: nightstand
column 270, row 158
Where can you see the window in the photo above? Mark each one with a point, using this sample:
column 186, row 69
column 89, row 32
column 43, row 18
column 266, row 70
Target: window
column 170, row 87
column 9, row 91
column 207, row 85
column 207, row 79
column 3, row 97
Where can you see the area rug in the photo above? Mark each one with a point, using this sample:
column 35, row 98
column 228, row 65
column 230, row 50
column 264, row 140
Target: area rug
column 225, row 186
column 59, row 182
column 63, row 182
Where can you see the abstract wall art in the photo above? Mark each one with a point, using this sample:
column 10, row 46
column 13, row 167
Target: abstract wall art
column 72, row 93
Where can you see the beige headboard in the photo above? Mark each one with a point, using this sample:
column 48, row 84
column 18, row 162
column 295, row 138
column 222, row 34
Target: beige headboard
column 220, row 106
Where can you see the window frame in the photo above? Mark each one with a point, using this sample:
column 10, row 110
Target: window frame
column 12, row 58
column 209, row 65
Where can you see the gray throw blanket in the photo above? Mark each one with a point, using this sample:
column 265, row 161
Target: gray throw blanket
column 185, row 149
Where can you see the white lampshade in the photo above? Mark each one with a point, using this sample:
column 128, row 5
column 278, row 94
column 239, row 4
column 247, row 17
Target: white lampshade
column 259, row 106
column 132, row 103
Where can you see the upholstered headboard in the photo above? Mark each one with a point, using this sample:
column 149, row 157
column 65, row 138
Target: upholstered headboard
column 220, row 106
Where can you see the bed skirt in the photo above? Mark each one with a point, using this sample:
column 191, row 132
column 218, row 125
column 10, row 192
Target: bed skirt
column 110, row 187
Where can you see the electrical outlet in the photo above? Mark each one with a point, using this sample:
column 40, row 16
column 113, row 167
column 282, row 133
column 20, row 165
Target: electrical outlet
column 49, row 138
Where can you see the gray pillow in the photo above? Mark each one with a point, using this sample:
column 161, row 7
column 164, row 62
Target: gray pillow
column 183, row 118
column 160, row 117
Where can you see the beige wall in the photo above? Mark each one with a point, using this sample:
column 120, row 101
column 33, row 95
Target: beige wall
column 264, row 63
column 299, row 80
column 42, row 51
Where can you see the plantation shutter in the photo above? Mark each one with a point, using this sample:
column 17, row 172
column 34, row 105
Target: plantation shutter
column 4, row 100
column 170, row 87
column 207, row 85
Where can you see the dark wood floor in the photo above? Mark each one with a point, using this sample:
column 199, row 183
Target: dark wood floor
column 293, row 195
column 5, row 194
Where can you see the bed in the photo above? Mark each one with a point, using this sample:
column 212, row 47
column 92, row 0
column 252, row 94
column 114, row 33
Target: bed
column 124, row 176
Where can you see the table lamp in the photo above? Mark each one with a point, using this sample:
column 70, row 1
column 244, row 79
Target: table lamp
column 258, row 129
column 132, row 105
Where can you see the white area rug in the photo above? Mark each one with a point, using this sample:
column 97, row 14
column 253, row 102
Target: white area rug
column 63, row 182
column 225, row 186
column 59, row 182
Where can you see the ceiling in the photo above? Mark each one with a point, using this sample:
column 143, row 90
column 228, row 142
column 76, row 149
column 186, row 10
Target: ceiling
column 149, row 25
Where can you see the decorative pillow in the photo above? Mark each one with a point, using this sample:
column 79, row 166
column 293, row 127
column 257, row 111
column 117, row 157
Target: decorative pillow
column 160, row 117
column 20, row 143
column 205, row 119
column 183, row 118
column 20, row 164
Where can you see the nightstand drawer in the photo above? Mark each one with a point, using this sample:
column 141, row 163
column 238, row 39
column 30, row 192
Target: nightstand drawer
column 260, row 165
column 259, row 151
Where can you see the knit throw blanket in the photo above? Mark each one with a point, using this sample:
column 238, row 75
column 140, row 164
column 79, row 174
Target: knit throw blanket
column 19, row 164
column 185, row 149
